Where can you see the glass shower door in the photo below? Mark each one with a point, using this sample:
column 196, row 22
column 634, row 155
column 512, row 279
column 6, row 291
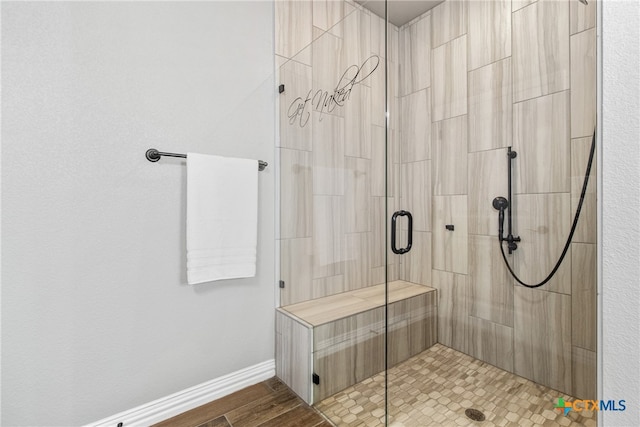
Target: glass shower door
column 332, row 151
column 495, row 109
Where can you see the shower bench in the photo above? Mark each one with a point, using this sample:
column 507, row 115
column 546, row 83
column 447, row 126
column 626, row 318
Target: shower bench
column 327, row 344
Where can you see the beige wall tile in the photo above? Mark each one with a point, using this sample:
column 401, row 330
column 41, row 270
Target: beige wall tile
column 293, row 28
column 358, row 108
column 357, row 260
column 357, row 40
column 378, row 163
column 519, row 4
column 449, row 21
column 542, row 334
column 416, row 126
column 487, row 180
column 378, row 38
column 449, row 77
column 416, row 193
column 358, row 356
column 295, row 113
column 328, row 63
column 584, row 374
column 328, row 155
column 296, row 193
column 490, row 106
column 318, row 32
column 582, row 17
column 543, row 222
column 378, row 116
column 394, row 101
column 583, row 83
column 380, row 219
column 453, row 308
column 327, row 13
column 540, row 49
column 393, row 143
column 424, row 322
column 490, row 285
column 393, row 183
column 377, row 35
column 293, row 347
column 583, row 293
column 326, row 286
column 415, row 52
column 403, row 262
column 296, row 268
column 541, row 139
column 328, row 236
column 378, row 223
column 357, row 123
column 586, row 229
column 489, row 31
column 357, row 194
column 450, row 248
column 412, row 327
column 491, row 342
column 393, row 42
column 378, row 274
column 417, row 262
column 449, row 139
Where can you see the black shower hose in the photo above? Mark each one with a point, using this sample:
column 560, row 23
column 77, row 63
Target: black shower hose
column 573, row 227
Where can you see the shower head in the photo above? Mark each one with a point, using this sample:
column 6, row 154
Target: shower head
column 584, row 2
column 500, row 203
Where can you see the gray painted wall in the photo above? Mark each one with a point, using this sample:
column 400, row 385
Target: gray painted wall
column 97, row 317
column 620, row 201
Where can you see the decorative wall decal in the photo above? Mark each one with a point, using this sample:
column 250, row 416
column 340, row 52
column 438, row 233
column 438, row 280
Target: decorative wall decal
column 324, row 102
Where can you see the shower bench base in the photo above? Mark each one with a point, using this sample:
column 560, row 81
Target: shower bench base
column 328, row 344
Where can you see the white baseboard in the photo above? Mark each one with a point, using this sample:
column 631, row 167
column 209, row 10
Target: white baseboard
column 177, row 403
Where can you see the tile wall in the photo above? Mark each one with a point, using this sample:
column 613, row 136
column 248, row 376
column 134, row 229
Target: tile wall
column 521, row 74
column 467, row 79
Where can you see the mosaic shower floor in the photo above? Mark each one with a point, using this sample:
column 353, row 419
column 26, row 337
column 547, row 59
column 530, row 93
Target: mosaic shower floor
column 435, row 388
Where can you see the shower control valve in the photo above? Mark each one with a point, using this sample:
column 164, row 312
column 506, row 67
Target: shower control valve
column 511, row 242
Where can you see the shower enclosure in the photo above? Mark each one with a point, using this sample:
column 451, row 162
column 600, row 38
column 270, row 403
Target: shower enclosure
column 396, row 120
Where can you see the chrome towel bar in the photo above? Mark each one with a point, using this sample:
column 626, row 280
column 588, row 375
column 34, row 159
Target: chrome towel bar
column 154, row 155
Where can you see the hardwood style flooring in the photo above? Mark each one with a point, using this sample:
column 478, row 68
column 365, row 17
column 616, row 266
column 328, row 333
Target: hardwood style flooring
column 267, row 404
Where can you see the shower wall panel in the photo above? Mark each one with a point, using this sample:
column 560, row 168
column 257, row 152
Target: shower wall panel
column 505, row 73
column 490, row 106
column 540, row 49
column 334, row 149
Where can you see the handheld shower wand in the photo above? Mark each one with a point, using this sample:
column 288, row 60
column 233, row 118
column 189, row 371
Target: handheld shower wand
column 500, row 204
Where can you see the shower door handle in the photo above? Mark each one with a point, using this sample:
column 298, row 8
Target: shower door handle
column 394, row 224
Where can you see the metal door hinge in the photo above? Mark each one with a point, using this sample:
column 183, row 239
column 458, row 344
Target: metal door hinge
column 280, row 88
column 315, row 379
column 281, row 283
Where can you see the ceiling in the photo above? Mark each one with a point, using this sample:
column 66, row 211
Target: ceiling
column 400, row 11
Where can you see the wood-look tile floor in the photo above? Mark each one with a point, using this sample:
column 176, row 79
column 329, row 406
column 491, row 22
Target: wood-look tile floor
column 267, row 404
column 435, row 388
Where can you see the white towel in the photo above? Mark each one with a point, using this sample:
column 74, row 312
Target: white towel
column 222, row 217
